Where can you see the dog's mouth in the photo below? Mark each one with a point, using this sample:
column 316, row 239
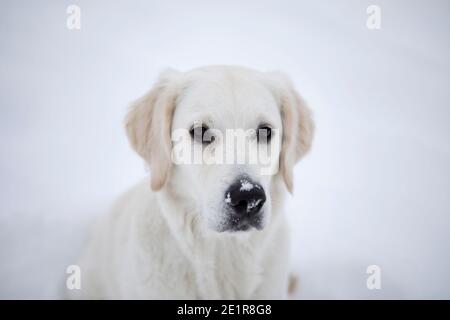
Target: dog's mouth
column 236, row 224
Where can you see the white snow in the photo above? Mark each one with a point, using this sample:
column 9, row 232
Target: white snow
column 374, row 189
column 228, row 198
column 246, row 185
column 252, row 204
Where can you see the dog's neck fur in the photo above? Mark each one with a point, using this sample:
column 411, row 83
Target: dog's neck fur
column 206, row 249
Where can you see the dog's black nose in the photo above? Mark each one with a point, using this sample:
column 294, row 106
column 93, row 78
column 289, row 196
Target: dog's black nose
column 245, row 197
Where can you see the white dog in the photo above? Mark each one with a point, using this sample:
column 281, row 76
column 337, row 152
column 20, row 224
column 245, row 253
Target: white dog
column 209, row 230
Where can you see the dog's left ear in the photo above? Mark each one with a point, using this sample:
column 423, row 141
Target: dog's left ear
column 298, row 126
column 148, row 126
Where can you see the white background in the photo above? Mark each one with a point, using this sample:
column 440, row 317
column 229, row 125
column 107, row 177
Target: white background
column 374, row 190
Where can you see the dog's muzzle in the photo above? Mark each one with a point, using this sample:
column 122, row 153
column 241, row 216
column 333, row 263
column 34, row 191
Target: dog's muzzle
column 244, row 200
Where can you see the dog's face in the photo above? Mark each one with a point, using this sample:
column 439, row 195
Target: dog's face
column 225, row 116
column 222, row 136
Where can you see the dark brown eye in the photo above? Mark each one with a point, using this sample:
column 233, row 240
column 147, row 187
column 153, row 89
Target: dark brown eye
column 200, row 134
column 264, row 133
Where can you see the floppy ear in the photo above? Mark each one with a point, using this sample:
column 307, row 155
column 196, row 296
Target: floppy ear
column 148, row 125
column 298, row 128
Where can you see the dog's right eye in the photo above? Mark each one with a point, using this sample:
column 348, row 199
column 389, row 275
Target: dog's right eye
column 199, row 134
column 264, row 133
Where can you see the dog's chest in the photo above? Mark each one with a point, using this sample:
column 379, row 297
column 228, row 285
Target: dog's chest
column 230, row 272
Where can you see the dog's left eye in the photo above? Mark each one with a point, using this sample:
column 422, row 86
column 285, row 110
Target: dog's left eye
column 198, row 133
column 264, row 133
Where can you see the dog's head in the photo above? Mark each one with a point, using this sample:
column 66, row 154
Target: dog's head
column 224, row 137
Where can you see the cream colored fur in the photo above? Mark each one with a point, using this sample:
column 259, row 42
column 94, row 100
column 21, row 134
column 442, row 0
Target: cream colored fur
column 159, row 241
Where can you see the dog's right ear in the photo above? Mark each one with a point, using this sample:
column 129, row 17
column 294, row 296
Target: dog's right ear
column 148, row 125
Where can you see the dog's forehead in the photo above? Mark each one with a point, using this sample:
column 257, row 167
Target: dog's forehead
column 230, row 99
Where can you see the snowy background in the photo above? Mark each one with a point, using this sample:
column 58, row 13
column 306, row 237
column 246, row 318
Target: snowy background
column 374, row 190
